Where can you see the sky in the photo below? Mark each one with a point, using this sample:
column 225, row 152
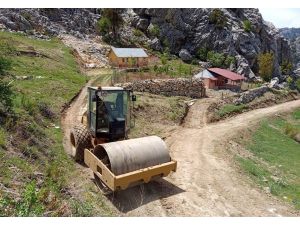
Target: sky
column 282, row 17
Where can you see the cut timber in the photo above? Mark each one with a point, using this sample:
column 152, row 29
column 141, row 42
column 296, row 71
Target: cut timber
column 126, row 180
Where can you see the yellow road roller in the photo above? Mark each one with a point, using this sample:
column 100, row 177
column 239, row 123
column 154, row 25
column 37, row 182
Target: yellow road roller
column 101, row 142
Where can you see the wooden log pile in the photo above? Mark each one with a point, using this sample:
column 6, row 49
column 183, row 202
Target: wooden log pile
column 193, row 88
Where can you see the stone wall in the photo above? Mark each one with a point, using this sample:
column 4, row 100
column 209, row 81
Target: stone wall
column 250, row 95
column 193, row 88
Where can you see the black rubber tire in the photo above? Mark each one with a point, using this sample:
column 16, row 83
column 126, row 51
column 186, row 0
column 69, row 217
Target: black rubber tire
column 80, row 139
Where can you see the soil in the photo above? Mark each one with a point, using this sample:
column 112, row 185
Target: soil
column 206, row 182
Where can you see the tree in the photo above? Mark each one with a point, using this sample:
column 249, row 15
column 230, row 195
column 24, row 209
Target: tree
column 218, row 18
column 298, row 84
column 115, row 18
column 154, row 31
column 216, row 59
column 202, row 53
column 265, row 65
column 229, row 60
column 103, row 26
column 247, row 26
column 286, row 67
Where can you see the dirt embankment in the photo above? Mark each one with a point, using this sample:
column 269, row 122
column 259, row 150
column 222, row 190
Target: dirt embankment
column 268, row 99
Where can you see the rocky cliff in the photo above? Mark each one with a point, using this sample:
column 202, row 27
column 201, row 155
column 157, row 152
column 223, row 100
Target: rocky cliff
column 293, row 35
column 182, row 31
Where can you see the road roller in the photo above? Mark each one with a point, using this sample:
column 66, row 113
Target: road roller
column 101, row 142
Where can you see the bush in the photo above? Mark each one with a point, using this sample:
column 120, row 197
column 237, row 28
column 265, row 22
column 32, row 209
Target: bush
column 286, row 67
column 5, row 98
column 5, row 65
column 2, row 137
column 265, row 65
column 230, row 108
column 202, row 53
column 103, row 26
column 154, row 31
column 228, row 61
column 290, row 130
column 298, row 84
column 216, row 59
column 164, row 59
column 218, row 18
column 247, row 26
column 137, row 33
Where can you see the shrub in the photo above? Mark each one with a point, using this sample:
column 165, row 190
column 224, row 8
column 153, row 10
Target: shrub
column 5, row 65
column 5, row 98
column 164, row 59
column 216, row 59
column 286, row 67
column 228, row 61
column 290, row 130
column 103, row 25
column 247, row 26
column 202, row 53
column 137, row 33
column 154, row 31
column 230, row 108
column 298, row 84
column 2, row 138
column 218, row 18
column 265, row 65
column 29, row 105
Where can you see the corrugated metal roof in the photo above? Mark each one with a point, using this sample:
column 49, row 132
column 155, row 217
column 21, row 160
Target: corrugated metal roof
column 226, row 73
column 129, row 52
column 205, row 74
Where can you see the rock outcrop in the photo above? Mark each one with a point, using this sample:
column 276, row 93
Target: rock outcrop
column 193, row 88
column 191, row 29
column 78, row 22
column 293, row 35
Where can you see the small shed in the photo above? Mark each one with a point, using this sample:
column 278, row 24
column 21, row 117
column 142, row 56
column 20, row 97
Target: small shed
column 220, row 78
column 208, row 79
column 128, row 57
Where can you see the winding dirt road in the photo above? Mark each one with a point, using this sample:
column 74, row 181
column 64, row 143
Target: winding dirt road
column 206, row 183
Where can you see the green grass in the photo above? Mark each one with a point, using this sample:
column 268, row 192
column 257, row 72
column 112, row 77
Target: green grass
column 229, row 109
column 275, row 146
column 35, row 166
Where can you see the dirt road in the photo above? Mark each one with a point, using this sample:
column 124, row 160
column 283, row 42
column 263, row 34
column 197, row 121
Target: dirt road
column 206, row 183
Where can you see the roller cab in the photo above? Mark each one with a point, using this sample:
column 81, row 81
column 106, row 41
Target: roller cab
column 124, row 164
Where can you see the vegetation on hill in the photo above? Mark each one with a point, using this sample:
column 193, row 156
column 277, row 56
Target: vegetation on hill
column 218, row 18
column 247, row 26
column 37, row 177
column 265, row 64
column 275, row 164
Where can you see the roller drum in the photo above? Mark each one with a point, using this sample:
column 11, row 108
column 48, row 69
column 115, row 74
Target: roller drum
column 126, row 156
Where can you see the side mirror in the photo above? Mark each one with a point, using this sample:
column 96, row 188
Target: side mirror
column 133, row 98
column 94, row 98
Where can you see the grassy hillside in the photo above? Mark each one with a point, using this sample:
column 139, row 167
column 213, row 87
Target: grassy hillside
column 36, row 175
column 275, row 164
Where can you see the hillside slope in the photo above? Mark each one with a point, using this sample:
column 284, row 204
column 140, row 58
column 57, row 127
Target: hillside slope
column 37, row 177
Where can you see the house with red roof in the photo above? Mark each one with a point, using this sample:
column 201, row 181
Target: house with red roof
column 217, row 78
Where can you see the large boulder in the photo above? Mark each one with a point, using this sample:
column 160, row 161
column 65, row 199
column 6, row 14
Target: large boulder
column 155, row 44
column 142, row 24
column 185, row 55
column 250, row 95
